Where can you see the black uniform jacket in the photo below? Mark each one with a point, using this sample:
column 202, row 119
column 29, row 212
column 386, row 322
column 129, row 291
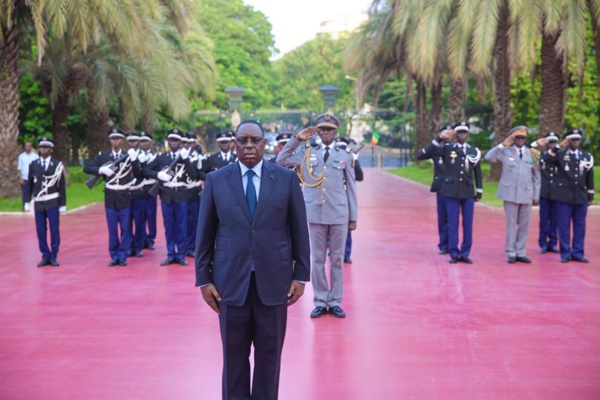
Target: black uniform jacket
column 175, row 190
column 574, row 181
column 37, row 176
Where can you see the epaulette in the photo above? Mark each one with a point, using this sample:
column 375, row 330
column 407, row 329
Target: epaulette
column 348, row 149
column 307, row 144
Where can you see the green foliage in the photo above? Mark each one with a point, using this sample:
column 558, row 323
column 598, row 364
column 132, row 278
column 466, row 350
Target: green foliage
column 35, row 117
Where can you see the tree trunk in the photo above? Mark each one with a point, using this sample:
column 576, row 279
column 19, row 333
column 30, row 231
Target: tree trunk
column 422, row 128
column 75, row 144
column 502, row 110
column 60, row 114
column 456, row 109
column 125, row 125
column 9, row 112
column 97, row 120
column 148, row 121
column 553, row 97
column 437, row 107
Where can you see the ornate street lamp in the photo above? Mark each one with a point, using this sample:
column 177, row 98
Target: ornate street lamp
column 329, row 93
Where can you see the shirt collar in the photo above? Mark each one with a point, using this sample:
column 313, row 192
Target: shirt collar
column 257, row 168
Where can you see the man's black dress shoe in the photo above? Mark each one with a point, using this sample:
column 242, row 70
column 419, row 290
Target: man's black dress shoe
column 453, row 260
column 512, row 260
column 181, row 261
column 553, row 250
column 544, row 250
column 443, row 251
column 337, row 312
column 112, row 263
column 347, row 260
column 122, row 263
column 466, row 260
column 190, row 254
column 138, row 254
column 565, row 260
column 524, row 260
column 581, row 260
column 167, row 262
column 43, row 262
column 318, row 312
column 54, row 262
column 149, row 246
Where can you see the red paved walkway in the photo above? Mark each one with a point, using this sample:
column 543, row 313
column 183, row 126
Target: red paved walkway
column 417, row 327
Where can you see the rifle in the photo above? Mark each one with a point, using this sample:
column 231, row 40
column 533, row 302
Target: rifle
column 91, row 182
column 154, row 189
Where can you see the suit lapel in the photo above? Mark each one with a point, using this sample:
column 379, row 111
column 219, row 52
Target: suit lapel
column 234, row 178
column 267, row 183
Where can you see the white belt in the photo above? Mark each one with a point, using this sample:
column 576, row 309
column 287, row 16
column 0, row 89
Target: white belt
column 112, row 186
column 194, row 184
column 145, row 182
column 173, row 184
column 46, row 197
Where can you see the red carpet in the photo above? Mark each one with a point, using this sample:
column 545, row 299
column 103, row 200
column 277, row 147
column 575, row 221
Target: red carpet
column 417, row 327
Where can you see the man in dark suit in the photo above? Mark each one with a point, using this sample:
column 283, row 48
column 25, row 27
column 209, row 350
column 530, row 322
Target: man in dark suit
column 248, row 209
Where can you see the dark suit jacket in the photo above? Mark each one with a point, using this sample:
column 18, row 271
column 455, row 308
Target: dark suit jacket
column 34, row 185
column 229, row 240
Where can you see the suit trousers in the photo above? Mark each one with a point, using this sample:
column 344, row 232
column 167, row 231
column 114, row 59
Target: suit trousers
column 150, row 220
column 138, row 214
column 43, row 219
column 259, row 325
column 517, row 228
column 174, row 217
column 548, row 223
column 455, row 207
column 327, row 294
column 442, row 218
column 348, row 249
column 118, row 247
column 192, row 225
column 574, row 214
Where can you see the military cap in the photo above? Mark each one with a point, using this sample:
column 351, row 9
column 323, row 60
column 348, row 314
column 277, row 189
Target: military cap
column 446, row 127
column 45, row 142
column 574, row 134
column 185, row 137
column 284, row 137
column 327, row 120
column 552, row 136
column 224, row 137
column 145, row 136
column 132, row 136
column 519, row 131
column 115, row 133
column 461, row 126
column 175, row 134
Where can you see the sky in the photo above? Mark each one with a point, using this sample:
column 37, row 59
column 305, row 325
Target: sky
column 297, row 21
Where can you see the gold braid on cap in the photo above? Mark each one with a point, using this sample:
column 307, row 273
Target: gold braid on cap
column 318, row 180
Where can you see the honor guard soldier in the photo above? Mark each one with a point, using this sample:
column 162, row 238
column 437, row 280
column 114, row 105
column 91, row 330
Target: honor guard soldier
column 194, row 189
column 173, row 168
column 138, row 203
column 462, row 169
column 282, row 138
column 329, row 188
column 119, row 170
column 548, row 237
column 223, row 157
column 436, row 187
column 147, row 155
column 572, row 191
column 46, row 185
column 519, row 188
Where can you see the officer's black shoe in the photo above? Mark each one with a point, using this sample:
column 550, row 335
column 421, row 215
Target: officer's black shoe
column 139, row 254
column 181, row 261
column 337, row 312
column 167, row 262
column 544, row 250
column 189, row 254
column 581, row 260
column 524, row 260
column 466, row 260
column 453, row 260
column 43, row 262
column 149, row 246
column 112, row 263
column 318, row 312
column 54, row 262
column 565, row 260
column 122, row 263
column 130, row 253
column 443, row 251
column 553, row 250
column 347, row 260
column 512, row 260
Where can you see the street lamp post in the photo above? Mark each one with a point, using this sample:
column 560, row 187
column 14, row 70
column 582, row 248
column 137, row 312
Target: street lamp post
column 329, row 93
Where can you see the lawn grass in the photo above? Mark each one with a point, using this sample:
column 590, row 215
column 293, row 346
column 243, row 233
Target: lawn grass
column 424, row 174
column 77, row 193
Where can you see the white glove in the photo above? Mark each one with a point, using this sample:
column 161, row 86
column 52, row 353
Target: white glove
column 142, row 157
column 27, row 207
column 133, row 154
column 62, row 209
column 163, row 176
column 354, row 156
column 184, row 153
column 106, row 171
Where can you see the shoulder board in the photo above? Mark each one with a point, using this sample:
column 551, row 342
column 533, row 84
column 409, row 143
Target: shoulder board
column 348, row 149
column 307, row 144
column 535, row 151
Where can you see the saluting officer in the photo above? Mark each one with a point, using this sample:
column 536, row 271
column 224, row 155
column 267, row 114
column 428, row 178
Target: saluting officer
column 548, row 237
column 436, row 187
column 519, row 188
column 462, row 169
column 194, row 189
column 223, row 157
column 282, row 138
column 573, row 191
column 46, row 184
column 173, row 168
column 148, row 222
column 329, row 189
column 120, row 170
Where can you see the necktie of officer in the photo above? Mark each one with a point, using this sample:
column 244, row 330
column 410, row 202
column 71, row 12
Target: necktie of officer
column 251, row 193
column 520, row 154
column 45, row 165
column 326, row 155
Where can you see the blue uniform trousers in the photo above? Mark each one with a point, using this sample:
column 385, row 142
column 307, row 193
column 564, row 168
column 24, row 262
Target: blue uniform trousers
column 548, row 223
column 174, row 217
column 138, row 214
column 150, row 220
column 192, row 225
column 51, row 216
column 442, row 215
column 576, row 213
column 455, row 207
column 118, row 247
column 348, row 249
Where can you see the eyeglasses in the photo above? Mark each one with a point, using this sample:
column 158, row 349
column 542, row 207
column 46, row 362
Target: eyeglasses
column 253, row 139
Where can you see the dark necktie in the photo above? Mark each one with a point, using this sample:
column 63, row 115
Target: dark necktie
column 326, row 156
column 520, row 154
column 251, row 193
column 45, row 165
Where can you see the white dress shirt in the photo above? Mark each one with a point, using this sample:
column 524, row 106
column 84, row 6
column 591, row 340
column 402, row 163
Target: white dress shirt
column 23, row 163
